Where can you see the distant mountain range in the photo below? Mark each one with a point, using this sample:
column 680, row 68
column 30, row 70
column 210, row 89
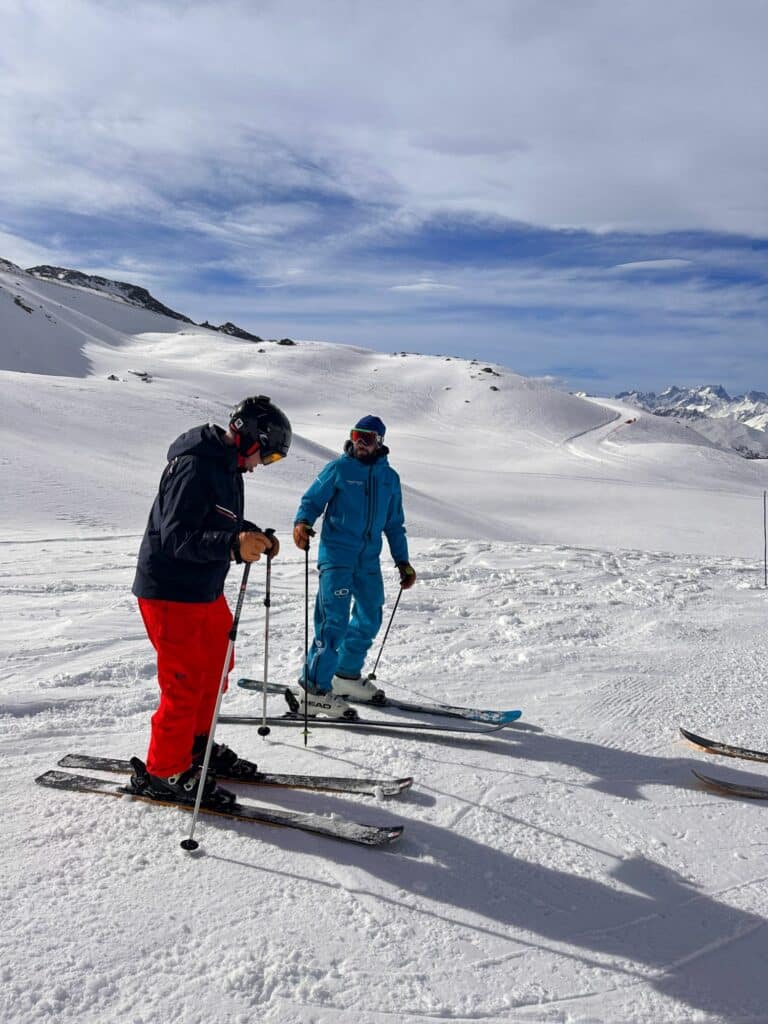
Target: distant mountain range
column 740, row 423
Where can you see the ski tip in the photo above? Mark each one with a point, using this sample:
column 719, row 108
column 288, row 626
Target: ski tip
column 697, row 741
column 394, row 786
column 734, row 789
column 511, row 716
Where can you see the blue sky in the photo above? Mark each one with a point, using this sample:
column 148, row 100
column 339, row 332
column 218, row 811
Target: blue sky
column 574, row 190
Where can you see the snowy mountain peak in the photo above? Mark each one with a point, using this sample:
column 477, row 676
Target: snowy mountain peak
column 707, row 399
column 130, row 293
column 740, row 423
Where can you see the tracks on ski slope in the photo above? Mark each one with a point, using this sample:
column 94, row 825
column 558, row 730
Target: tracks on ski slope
column 607, row 651
column 595, row 436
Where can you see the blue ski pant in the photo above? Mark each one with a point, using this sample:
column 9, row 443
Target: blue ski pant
column 342, row 640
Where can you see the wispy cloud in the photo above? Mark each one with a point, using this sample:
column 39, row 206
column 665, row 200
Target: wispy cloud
column 668, row 264
column 425, row 285
column 522, row 178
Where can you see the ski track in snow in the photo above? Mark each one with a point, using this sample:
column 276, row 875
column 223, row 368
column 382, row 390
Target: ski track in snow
column 545, row 874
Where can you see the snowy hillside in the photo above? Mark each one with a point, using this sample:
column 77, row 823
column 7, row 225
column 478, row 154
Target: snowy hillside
column 584, row 560
column 481, row 450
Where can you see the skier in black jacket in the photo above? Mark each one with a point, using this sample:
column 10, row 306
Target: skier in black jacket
column 195, row 530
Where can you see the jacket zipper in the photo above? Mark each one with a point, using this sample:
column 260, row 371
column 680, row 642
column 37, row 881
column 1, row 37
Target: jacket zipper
column 371, row 495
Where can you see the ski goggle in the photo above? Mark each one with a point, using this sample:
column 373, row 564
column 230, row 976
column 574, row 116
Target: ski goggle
column 267, row 457
column 366, row 436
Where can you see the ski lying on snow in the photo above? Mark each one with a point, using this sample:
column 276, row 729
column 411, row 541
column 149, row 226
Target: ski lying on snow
column 362, row 724
column 732, row 788
column 447, row 710
column 317, row 824
column 726, row 749
column 324, row 783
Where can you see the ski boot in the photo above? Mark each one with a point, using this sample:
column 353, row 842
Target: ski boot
column 319, row 702
column 180, row 788
column 223, row 761
column 358, row 688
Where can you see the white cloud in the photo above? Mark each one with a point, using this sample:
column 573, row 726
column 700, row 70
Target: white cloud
column 24, row 254
column 669, row 264
column 638, row 116
column 425, row 285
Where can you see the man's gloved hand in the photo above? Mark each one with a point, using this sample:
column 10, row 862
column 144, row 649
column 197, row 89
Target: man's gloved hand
column 407, row 575
column 301, row 534
column 249, row 546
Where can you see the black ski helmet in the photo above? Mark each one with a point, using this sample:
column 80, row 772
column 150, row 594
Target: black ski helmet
column 257, row 421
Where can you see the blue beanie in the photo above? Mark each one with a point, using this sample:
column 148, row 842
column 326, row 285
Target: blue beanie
column 371, row 423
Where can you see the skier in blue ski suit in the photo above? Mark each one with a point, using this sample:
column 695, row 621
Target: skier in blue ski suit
column 360, row 499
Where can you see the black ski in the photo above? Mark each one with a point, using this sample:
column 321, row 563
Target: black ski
column 361, row 724
column 324, row 783
column 445, row 710
column 317, row 824
column 726, row 749
column 732, row 788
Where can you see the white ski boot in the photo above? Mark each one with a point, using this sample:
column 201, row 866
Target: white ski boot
column 357, row 689
column 329, row 704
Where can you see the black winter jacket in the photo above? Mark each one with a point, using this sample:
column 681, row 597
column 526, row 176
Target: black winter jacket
column 198, row 512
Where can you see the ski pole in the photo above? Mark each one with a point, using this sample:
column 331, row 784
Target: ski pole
column 372, row 675
column 264, row 729
column 306, row 634
column 191, row 843
column 306, row 638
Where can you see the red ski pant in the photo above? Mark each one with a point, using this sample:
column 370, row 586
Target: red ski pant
column 191, row 642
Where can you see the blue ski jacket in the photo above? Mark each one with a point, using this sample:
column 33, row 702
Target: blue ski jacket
column 186, row 549
column 361, row 501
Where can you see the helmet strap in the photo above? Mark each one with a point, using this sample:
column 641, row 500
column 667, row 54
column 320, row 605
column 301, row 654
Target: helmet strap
column 242, row 451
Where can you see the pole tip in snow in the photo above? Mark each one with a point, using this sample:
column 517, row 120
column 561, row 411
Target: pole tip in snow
column 264, row 731
column 190, row 845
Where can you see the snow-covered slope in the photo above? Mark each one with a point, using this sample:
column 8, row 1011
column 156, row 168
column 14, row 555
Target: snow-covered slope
column 482, row 451
column 589, row 562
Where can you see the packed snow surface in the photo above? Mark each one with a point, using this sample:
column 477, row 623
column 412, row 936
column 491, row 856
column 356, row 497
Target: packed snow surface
column 596, row 566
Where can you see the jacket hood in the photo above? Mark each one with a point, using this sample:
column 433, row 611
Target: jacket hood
column 206, row 440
